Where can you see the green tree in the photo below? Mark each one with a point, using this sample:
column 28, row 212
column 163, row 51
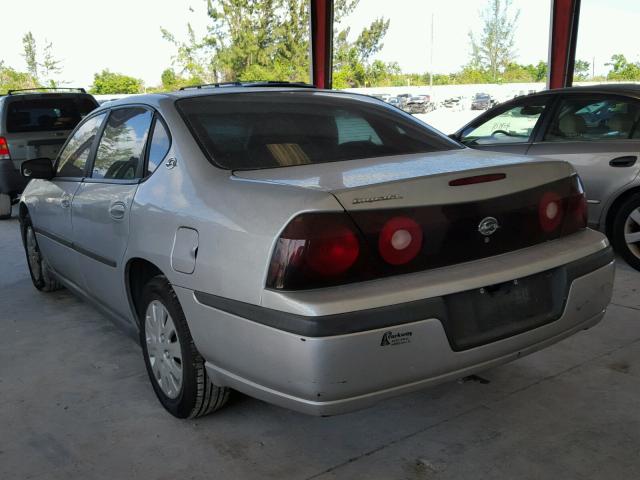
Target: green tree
column 622, row 69
column 107, row 82
column 42, row 71
column 494, row 49
column 269, row 40
column 30, row 54
column 11, row 79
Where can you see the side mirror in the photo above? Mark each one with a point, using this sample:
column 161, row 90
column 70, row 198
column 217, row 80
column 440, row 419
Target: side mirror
column 37, row 168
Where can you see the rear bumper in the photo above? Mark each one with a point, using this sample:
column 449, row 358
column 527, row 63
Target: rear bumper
column 327, row 375
column 11, row 181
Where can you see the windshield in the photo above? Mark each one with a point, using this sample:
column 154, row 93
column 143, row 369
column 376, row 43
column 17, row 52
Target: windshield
column 46, row 114
column 249, row 131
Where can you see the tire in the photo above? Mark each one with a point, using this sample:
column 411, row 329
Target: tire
column 626, row 227
column 42, row 276
column 176, row 369
column 5, row 206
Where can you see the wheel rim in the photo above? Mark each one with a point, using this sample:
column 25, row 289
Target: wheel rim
column 163, row 349
column 632, row 232
column 33, row 255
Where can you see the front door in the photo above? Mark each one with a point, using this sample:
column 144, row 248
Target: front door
column 507, row 129
column 101, row 205
column 51, row 211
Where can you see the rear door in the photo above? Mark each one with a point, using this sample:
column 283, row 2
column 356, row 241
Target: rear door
column 599, row 136
column 102, row 204
column 509, row 128
column 51, row 209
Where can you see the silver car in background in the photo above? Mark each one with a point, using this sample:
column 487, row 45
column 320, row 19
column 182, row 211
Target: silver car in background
column 318, row 250
column 597, row 130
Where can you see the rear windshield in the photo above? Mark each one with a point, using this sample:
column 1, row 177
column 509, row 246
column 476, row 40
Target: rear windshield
column 258, row 130
column 46, row 114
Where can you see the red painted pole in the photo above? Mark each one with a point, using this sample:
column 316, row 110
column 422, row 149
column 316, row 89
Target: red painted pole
column 562, row 44
column 321, row 42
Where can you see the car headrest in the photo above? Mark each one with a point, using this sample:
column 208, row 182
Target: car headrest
column 572, row 125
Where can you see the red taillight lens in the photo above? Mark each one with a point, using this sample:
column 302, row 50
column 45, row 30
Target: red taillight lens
column 315, row 249
column 4, row 149
column 333, row 252
column 550, row 211
column 400, row 240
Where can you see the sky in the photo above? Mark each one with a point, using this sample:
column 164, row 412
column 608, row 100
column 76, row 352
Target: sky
column 124, row 35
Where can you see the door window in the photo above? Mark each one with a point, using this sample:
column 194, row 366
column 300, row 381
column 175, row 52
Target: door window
column 74, row 156
column 159, row 146
column 514, row 125
column 122, row 144
column 593, row 119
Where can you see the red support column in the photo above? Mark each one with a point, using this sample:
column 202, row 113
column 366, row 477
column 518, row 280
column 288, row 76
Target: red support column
column 562, row 45
column 321, row 42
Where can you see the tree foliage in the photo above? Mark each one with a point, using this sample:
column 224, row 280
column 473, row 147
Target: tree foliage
column 622, row 69
column 269, row 40
column 45, row 70
column 11, row 79
column 494, row 49
column 107, row 82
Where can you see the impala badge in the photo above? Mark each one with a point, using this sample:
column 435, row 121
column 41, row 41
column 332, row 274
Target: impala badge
column 488, row 226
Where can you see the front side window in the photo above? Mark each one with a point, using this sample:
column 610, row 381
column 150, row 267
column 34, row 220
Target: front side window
column 122, row 144
column 514, row 125
column 593, row 119
column 74, row 156
column 276, row 129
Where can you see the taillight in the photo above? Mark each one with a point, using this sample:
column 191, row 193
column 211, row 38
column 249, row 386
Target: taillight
column 577, row 209
column 4, row 149
column 400, row 240
column 315, row 249
column 550, row 211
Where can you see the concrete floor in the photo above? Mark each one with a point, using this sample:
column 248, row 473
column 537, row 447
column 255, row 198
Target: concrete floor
column 76, row 403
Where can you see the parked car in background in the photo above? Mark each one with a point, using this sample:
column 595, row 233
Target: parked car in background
column 418, row 104
column 596, row 128
column 34, row 123
column 482, row 101
column 395, row 101
column 453, row 103
column 315, row 249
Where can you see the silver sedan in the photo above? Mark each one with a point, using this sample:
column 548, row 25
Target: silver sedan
column 597, row 130
column 315, row 249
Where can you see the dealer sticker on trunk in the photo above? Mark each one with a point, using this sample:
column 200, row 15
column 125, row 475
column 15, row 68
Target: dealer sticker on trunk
column 395, row 338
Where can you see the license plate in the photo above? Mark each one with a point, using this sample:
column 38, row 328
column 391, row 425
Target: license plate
column 476, row 317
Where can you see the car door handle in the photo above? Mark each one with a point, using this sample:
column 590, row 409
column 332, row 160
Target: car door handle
column 117, row 210
column 628, row 161
column 65, row 201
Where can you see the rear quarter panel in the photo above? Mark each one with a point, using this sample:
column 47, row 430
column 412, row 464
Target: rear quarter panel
column 237, row 220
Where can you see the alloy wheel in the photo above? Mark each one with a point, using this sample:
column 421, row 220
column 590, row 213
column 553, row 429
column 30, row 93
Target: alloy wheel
column 632, row 232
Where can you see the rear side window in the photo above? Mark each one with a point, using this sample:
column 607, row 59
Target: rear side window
column 122, row 144
column 47, row 114
column 159, row 146
column 594, row 119
column 247, row 131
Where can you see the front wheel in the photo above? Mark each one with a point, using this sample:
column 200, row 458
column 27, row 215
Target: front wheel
column 626, row 231
column 41, row 275
column 175, row 367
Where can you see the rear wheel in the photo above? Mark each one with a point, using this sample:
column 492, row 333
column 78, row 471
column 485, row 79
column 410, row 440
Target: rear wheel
column 41, row 275
column 626, row 231
column 175, row 367
column 5, row 206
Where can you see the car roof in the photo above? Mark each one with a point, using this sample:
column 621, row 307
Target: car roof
column 154, row 99
column 631, row 89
